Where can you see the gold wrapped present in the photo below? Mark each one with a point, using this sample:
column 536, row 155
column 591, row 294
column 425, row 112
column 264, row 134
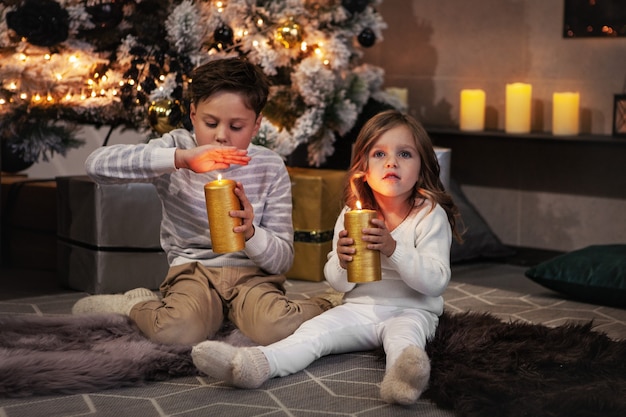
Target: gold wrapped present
column 317, row 200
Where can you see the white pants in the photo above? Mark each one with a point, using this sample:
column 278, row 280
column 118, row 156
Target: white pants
column 351, row 328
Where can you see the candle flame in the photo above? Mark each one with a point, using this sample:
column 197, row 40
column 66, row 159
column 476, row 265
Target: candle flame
column 355, row 176
column 219, row 177
column 358, row 205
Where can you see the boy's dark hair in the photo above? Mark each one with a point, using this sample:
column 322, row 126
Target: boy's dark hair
column 231, row 74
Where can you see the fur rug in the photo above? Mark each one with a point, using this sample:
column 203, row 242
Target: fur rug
column 70, row 354
column 481, row 366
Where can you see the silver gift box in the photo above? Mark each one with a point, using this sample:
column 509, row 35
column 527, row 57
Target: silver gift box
column 443, row 156
column 108, row 236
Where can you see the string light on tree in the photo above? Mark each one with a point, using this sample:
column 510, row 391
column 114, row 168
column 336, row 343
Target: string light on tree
column 108, row 61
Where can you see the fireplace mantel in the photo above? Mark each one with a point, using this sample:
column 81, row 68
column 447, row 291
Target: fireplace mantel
column 592, row 165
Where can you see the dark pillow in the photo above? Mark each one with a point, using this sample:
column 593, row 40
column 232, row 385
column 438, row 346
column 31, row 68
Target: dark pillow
column 479, row 242
column 595, row 274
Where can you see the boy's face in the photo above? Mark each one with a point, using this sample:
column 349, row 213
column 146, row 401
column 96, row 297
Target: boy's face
column 223, row 119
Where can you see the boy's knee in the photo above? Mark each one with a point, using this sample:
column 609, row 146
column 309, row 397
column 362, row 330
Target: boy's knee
column 176, row 327
column 181, row 334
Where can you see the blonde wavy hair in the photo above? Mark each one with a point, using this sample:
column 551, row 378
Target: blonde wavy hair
column 428, row 186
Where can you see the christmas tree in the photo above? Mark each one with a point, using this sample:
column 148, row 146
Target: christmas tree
column 127, row 63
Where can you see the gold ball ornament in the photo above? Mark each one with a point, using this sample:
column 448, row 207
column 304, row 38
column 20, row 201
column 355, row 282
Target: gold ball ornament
column 165, row 115
column 289, row 33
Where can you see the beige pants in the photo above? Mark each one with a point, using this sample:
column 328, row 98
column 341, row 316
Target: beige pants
column 197, row 299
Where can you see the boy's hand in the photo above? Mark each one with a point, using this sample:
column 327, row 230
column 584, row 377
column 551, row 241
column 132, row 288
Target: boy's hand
column 379, row 238
column 246, row 213
column 210, row 157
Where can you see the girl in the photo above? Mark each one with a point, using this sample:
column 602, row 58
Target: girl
column 395, row 172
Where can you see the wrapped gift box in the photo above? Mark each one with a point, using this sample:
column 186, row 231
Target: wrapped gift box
column 108, row 236
column 317, row 200
column 29, row 216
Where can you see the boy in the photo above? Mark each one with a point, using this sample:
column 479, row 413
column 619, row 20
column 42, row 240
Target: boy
column 203, row 288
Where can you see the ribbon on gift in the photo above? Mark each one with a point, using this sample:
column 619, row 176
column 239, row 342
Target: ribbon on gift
column 313, row 236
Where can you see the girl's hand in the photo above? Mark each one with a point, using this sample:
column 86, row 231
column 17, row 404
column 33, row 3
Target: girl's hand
column 210, row 157
column 345, row 250
column 246, row 213
column 379, row 238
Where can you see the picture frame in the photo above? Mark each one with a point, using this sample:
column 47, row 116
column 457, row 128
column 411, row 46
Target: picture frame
column 619, row 115
column 600, row 19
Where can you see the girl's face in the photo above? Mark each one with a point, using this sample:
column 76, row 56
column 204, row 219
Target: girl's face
column 394, row 164
column 224, row 119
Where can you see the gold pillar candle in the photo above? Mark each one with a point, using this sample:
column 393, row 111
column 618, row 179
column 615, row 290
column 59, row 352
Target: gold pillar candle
column 518, row 107
column 220, row 199
column 565, row 109
column 365, row 265
column 472, row 114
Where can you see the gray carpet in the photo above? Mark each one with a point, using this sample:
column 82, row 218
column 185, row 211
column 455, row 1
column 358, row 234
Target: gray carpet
column 336, row 385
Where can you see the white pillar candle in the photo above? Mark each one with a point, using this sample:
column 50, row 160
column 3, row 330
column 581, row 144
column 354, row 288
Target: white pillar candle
column 518, row 104
column 565, row 113
column 472, row 110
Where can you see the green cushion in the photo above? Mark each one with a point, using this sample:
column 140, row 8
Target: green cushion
column 595, row 274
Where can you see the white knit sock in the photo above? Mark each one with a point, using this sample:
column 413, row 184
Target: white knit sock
column 250, row 368
column 239, row 367
column 407, row 378
column 113, row 303
column 214, row 359
column 140, row 293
